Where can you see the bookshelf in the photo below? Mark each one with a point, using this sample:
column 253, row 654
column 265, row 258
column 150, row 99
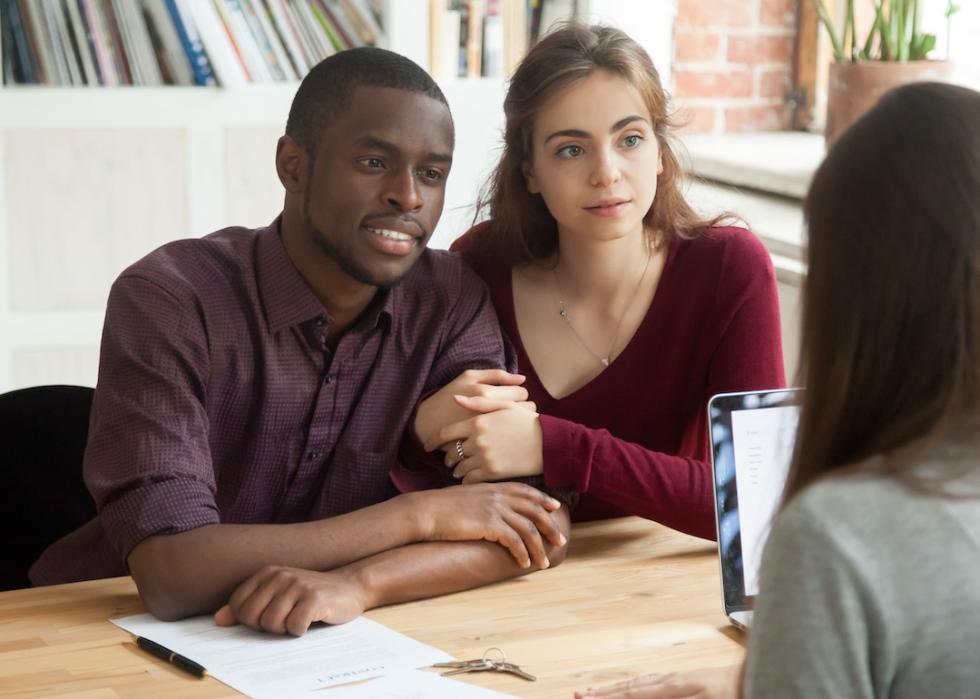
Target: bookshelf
column 93, row 178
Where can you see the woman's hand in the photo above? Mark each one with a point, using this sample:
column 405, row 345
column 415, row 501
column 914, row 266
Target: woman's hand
column 441, row 409
column 498, row 444
column 716, row 683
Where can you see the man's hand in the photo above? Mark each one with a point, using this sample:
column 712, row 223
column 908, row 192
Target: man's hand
column 716, row 683
column 281, row 600
column 441, row 409
column 497, row 445
column 517, row 516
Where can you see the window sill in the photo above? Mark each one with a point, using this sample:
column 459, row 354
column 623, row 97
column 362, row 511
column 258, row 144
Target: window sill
column 763, row 178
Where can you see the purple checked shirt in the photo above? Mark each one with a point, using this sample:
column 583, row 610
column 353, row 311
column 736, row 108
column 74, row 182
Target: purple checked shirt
column 218, row 400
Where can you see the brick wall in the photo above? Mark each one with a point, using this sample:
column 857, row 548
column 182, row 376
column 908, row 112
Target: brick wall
column 733, row 63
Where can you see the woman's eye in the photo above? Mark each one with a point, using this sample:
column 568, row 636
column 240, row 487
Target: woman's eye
column 632, row 141
column 570, row 152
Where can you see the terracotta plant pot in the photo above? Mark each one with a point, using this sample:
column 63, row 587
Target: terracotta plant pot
column 856, row 87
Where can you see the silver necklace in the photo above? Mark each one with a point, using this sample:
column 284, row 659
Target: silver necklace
column 563, row 312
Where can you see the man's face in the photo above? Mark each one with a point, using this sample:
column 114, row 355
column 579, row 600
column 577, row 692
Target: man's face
column 376, row 184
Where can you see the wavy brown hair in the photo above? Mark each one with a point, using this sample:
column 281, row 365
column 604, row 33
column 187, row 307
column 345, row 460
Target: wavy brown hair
column 521, row 228
column 891, row 320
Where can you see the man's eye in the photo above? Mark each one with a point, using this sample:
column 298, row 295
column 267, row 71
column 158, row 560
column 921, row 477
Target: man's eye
column 430, row 173
column 373, row 162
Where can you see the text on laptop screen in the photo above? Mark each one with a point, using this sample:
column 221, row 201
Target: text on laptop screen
column 762, row 441
column 752, row 435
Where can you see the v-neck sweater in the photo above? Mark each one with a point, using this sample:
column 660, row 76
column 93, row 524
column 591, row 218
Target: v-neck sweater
column 634, row 440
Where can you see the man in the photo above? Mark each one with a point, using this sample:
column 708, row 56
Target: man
column 254, row 385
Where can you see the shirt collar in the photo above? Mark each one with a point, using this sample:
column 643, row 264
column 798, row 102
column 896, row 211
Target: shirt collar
column 287, row 298
column 382, row 310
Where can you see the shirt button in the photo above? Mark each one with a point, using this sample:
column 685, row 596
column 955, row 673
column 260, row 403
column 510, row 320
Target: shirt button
column 320, row 322
column 312, row 455
column 328, row 379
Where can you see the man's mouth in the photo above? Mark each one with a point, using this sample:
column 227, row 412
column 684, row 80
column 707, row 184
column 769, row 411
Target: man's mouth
column 393, row 235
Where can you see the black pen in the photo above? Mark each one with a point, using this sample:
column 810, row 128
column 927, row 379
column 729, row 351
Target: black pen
column 185, row 664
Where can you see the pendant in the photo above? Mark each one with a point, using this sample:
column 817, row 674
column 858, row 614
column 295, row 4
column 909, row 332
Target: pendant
column 604, row 361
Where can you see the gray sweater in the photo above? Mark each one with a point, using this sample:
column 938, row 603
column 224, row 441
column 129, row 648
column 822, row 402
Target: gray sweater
column 871, row 589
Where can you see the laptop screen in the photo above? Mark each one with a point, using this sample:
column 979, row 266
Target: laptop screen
column 752, row 438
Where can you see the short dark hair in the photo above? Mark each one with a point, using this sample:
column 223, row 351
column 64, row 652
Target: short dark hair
column 327, row 89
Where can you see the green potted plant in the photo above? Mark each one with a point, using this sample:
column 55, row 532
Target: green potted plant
column 895, row 51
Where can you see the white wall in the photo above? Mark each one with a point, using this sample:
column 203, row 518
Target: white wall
column 959, row 38
column 651, row 23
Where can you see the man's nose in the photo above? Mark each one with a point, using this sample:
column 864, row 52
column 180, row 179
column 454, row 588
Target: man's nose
column 403, row 192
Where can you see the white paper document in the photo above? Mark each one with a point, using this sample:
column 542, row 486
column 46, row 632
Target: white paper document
column 261, row 664
column 412, row 684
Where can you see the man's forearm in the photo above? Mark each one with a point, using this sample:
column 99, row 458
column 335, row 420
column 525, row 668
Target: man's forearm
column 430, row 569
column 194, row 572
column 282, row 599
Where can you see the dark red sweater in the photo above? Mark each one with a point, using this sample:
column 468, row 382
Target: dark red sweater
column 634, row 440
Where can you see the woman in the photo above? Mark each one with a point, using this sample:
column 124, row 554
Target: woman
column 869, row 578
column 626, row 309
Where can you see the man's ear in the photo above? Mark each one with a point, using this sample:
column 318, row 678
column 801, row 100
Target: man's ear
column 291, row 164
column 532, row 181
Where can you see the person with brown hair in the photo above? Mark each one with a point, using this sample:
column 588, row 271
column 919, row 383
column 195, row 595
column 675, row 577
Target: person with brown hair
column 627, row 310
column 868, row 581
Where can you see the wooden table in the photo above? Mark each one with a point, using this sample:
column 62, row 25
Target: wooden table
column 631, row 597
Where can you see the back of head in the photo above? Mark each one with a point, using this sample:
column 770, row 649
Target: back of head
column 891, row 322
column 326, row 90
column 522, row 229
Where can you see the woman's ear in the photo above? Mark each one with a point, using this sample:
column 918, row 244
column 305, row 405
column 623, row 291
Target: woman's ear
column 532, row 181
column 660, row 163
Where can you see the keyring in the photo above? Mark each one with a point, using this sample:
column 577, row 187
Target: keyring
column 503, row 656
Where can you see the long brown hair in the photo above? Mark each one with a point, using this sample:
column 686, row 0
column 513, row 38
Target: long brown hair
column 891, row 321
column 521, row 228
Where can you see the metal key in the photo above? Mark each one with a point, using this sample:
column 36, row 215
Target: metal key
column 459, row 663
column 485, row 664
column 464, row 666
column 513, row 669
column 479, row 662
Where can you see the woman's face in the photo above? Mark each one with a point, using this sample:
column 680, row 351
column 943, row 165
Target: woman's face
column 595, row 158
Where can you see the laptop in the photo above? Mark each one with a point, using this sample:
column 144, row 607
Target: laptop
column 752, row 435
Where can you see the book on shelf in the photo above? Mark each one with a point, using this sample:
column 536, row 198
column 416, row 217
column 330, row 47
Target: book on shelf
column 191, row 43
column 176, row 66
column 81, row 44
column 284, row 27
column 177, row 42
column 551, row 13
column 487, row 38
column 492, row 63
